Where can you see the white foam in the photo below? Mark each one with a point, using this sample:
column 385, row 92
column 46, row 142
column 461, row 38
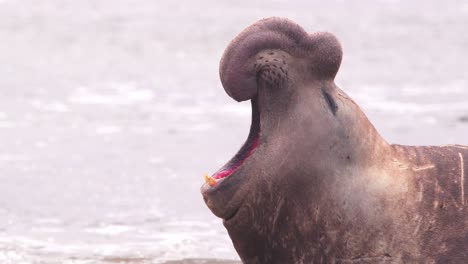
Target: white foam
column 156, row 160
column 50, row 106
column 53, row 221
column 109, row 129
column 121, row 94
column 200, row 127
column 40, row 144
column 142, row 130
column 238, row 109
column 414, row 99
column 180, row 239
column 12, row 257
column 170, row 173
column 182, row 244
column 110, row 229
column 198, row 110
column 399, row 107
column 464, row 8
column 47, row 230
column 12, row 158
column 5, row 124
column 188, row 223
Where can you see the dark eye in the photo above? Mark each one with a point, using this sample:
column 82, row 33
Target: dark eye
column 330, row 101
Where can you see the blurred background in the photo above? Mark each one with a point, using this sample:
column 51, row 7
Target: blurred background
column 111, row 111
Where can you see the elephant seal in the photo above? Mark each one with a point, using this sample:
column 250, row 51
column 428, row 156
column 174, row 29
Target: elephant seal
column 315, row 182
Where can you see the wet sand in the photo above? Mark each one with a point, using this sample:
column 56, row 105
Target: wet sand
column 202, row 261
column 183, row 261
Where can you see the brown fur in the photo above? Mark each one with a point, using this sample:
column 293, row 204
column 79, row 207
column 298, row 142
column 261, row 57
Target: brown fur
column 323, row 186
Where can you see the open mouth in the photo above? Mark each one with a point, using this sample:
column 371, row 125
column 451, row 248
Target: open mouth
column 245, row 151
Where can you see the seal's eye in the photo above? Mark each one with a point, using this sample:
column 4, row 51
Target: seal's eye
column 330, row 101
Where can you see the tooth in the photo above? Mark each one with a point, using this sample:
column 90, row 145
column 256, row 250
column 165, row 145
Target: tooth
column 210, row 180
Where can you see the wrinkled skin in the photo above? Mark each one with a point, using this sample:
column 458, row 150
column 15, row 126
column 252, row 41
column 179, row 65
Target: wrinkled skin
column 323, row 186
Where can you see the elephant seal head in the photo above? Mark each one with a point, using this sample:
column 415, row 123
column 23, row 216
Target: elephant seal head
column 304, row 132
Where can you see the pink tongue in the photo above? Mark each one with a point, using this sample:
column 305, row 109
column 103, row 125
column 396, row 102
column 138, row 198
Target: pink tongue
column 223, row 174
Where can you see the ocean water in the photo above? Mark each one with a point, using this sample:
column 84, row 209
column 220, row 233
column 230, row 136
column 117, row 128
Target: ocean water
column 111, row 112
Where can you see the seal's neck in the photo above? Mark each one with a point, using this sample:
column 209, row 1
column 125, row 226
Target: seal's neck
column 364, row 141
